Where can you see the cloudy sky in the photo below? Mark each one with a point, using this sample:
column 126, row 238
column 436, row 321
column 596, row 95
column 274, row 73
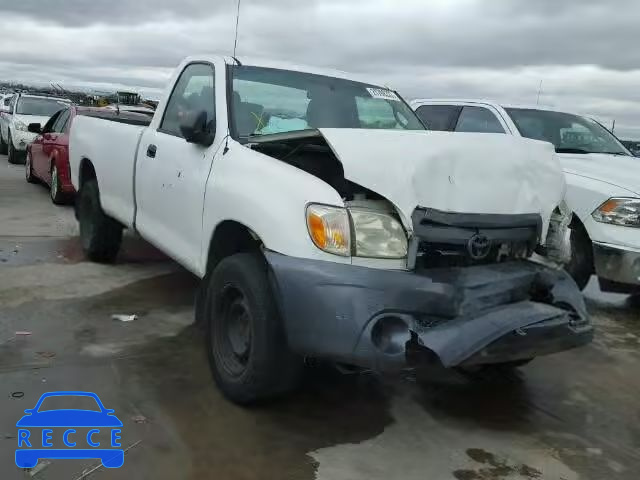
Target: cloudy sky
column 585, row 52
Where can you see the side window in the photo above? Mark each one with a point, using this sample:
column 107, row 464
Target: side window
column 192, row 95
column 48, row 127
column 7, row 101
column 58, row 127
column 438, row 117
column 478, row 119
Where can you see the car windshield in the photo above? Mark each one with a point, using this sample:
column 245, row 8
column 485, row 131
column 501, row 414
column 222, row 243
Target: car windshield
column 66, row 402
column 39, row 106
column 267, row 100
column 569, row 133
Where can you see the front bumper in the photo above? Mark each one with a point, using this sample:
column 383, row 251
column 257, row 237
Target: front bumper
column 386, row 320
column 617, row 264
column 22, row 139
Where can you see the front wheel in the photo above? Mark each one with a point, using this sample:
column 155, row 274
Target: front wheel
column 100, row 234
column 14, row 155
column 581, row 265
column 245, row 339
column 3, row 145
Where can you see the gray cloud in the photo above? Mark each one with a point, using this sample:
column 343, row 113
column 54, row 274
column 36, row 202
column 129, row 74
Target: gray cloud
column 583, row 50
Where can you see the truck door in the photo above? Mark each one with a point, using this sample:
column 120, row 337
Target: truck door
column 171, row 174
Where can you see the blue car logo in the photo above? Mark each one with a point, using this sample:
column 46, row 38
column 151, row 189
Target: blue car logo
column 37, row 428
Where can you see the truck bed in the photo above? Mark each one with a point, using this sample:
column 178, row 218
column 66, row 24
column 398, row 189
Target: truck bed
column 109, row 140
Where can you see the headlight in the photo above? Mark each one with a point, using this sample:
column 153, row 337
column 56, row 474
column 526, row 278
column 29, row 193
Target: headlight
column 20, row 126
column 329, row 229
column 378, row 235
column 619, row 211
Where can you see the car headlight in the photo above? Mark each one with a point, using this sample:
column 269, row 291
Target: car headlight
column 20, row 126
column 378, row 235
column 619, row 211
column 329, row 229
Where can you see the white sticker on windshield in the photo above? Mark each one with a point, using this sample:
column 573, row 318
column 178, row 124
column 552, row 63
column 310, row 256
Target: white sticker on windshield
column 383, row 94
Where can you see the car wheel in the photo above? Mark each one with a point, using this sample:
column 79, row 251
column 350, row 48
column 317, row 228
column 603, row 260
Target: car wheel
column 13, row 153
column 3, row 145
column 581, row 265
column 28, row 170
column 246, row 343
column 100, row 234
column 57, row 196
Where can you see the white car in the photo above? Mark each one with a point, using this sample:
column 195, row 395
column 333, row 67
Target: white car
column 603, row 180
column 326, row 222
column 17, row 113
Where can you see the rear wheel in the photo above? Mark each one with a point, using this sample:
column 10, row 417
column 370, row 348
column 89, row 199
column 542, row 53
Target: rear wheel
column 246, row 343
column 57, row 196
column 581, row 265
column 100, row 234
column 28, row 170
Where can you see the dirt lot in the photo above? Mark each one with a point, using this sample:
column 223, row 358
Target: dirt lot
column 571, row 416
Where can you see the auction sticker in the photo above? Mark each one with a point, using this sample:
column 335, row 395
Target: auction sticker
column 383, row 94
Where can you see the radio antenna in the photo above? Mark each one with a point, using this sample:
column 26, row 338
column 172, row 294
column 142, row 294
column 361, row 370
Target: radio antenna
column 235, row 42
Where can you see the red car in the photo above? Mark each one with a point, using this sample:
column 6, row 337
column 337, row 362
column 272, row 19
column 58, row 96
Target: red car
column 48, row 155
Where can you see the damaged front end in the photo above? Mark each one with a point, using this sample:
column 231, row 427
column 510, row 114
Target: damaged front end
column 471, row 296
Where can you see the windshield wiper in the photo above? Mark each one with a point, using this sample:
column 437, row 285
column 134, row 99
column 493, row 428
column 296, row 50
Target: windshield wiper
column 621, row 154
column 572, row 150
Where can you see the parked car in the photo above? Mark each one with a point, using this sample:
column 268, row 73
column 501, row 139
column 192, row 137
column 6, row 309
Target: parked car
column 326, row 222
column 603, row 180
column 48, row 155
column 633, row 146
column 22, row 110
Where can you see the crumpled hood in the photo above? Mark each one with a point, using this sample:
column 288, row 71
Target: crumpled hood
column 618, row 170
column 27, row 119
column 465, row 173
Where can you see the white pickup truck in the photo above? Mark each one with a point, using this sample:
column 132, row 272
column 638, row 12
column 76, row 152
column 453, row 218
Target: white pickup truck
column 326, row 222
column 603, row 180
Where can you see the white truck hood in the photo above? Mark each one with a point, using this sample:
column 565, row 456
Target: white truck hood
column 470, row 173
column 621, row 171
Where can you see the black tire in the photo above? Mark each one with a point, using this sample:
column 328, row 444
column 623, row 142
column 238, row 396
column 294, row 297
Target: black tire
column 14, row 155
column 3, row 145
column 245, row 340
column 28, row 171
column 100, row 234
column 57, row 196
column 581, row 265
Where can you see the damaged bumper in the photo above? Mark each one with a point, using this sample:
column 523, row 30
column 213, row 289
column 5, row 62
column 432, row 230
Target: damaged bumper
column 386, row 320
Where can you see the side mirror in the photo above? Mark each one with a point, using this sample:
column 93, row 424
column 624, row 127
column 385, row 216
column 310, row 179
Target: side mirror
column 198, row 129
column 35, row 128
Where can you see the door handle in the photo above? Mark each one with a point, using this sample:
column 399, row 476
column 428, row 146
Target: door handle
column 151, row 151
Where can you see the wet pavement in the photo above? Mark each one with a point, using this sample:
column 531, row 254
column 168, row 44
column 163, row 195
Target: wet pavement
column 570, row 416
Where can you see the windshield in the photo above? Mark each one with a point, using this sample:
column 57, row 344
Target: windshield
column 569, row 133
column 45, row 107
column 66, row 402
column 267, row 100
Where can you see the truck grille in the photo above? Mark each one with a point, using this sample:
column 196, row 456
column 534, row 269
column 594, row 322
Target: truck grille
column 445, row 239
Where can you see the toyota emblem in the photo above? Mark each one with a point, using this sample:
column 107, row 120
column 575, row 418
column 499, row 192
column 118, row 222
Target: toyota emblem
column 479, row 246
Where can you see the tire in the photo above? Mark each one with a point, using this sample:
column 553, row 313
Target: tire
column 100, row 234
column 57, row 196
column 3, row 145
column 13, row 156
column 581, row 265
column 28, row 170
column 245, row 340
